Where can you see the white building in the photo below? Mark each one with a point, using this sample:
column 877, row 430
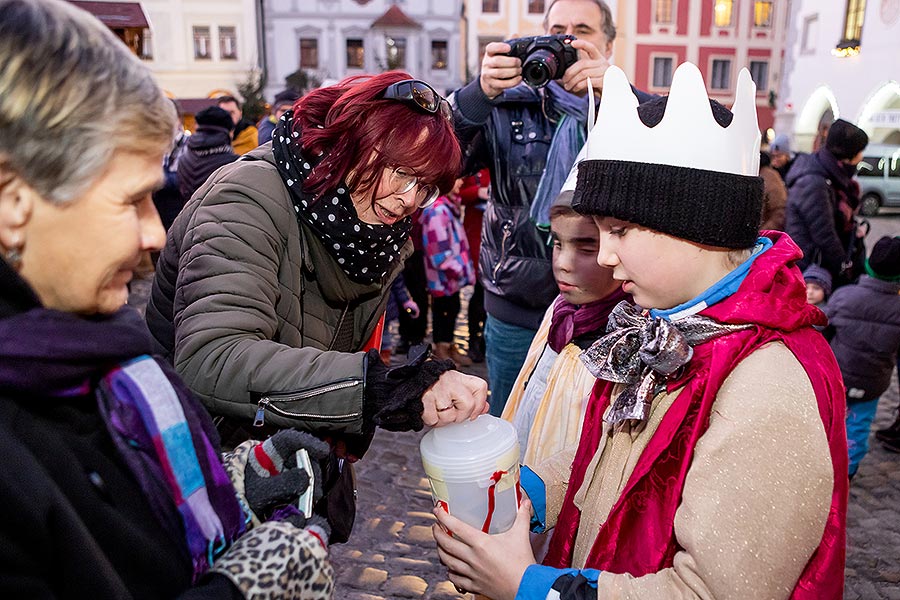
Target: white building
column 842, row 61
column 333, row 39
column 196, row 48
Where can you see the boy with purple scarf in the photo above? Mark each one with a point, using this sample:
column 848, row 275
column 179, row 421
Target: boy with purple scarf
column 549, row 396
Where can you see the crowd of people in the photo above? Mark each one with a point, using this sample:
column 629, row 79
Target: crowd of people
column 691, row 347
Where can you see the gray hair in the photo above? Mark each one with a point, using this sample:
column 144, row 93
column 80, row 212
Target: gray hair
column 608, row 26
column 71, row 95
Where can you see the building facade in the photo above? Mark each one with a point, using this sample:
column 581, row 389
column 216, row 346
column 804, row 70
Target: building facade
column 196, row 48
column 333, row 39
column 719, row 36
column 842, row 61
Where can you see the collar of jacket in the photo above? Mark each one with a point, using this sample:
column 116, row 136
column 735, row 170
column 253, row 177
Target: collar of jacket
column 333, row 282
column 16, row 296
column 891, row 288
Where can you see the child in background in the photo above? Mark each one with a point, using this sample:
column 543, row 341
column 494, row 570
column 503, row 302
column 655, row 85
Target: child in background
column 398, row 300
column 474, row 194
column 715, row 465
column 448, row 268
column 818, row 285
column 864, row 328
column 550, row 395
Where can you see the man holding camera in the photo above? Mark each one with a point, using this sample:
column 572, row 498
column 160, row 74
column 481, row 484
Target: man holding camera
column 528, row 134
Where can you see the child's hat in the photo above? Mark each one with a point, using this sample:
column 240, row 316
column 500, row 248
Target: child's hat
column 820, row 276
column 682, row 164
column 884, row 260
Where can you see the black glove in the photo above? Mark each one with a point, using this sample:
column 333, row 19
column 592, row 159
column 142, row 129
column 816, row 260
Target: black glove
column 272, row 477
column 393, row 396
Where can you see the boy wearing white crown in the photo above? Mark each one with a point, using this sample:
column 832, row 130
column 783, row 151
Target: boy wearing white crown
column 713, row 457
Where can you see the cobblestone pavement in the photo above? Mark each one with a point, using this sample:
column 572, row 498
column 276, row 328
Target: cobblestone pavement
column 391, row 553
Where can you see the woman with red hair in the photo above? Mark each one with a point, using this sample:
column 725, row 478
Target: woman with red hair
column 276, row 273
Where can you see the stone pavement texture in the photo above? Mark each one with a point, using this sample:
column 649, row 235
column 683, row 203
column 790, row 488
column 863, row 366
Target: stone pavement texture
column 391, row 553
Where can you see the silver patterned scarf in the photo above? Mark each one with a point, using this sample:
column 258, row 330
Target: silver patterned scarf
column 642, row 352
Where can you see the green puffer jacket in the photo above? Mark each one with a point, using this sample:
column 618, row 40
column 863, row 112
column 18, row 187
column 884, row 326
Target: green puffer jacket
column 249, row 306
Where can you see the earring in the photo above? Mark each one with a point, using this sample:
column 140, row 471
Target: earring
column 13, row 256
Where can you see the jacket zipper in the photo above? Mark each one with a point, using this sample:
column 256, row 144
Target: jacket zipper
column 337, row 330
column 507, row 231
column 266, row 403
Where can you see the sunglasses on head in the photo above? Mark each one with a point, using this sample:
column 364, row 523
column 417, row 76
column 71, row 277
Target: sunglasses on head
column 419, row 94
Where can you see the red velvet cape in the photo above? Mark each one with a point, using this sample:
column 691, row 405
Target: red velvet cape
column 638, row 536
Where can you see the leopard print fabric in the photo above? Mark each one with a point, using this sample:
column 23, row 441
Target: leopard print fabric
column 277, row 561
column 235, row 463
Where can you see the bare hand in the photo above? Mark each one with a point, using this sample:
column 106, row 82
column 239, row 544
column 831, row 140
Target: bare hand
column 491, row 565
column 591, row 63
column 454, row 398
column 498, row 71
column 484, row 193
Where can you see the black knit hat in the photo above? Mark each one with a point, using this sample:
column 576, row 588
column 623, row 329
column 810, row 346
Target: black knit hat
column 884, row 260
column 214, row 116
column 285, row 97
column 845, row 140
column 707, row 207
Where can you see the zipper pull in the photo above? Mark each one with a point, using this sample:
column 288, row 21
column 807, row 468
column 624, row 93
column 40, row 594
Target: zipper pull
column 260, row 419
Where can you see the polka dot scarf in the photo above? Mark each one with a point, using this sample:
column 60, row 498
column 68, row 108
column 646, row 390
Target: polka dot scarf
column 364, row 252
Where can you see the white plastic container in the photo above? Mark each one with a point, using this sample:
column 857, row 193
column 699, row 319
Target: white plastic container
column 473, row 468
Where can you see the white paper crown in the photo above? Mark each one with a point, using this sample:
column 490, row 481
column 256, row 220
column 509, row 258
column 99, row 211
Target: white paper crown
column 687, row 136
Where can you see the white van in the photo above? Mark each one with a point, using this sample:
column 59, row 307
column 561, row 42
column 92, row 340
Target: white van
column 879, row 178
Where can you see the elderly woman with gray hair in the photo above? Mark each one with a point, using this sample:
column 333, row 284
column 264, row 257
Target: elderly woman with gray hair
column 112, row 484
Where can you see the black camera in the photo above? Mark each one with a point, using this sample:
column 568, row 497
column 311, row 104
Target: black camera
column 544, row 57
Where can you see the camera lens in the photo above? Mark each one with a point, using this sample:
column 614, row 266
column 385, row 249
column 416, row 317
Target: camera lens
column 539, row 68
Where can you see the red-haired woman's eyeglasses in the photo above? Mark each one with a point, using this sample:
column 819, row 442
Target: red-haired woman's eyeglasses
column 419, row 94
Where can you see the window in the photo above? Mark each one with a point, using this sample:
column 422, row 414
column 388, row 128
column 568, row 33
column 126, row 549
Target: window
column 535, row 7
column 721, row 74
column 810, row 34
column 663, row 11
column 228, row 43
column 396, row 53
column 853, row 20
column 723, row 13
column 762, row 13
column 309, row 53
column 202, row 45
column 355, row 54
column 759, row 71
column 146, row 49
column 439, row 54
column 871, row 166
column 662, row 72
column 490, row 6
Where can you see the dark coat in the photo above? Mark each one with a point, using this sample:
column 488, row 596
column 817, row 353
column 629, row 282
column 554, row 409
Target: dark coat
column 812, row 202
column 510, row 136
column 207, row 150
column 75, row 523
column 865, row 321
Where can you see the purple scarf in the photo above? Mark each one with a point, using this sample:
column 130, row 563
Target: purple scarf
column 571, row 321
column 157, row 426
